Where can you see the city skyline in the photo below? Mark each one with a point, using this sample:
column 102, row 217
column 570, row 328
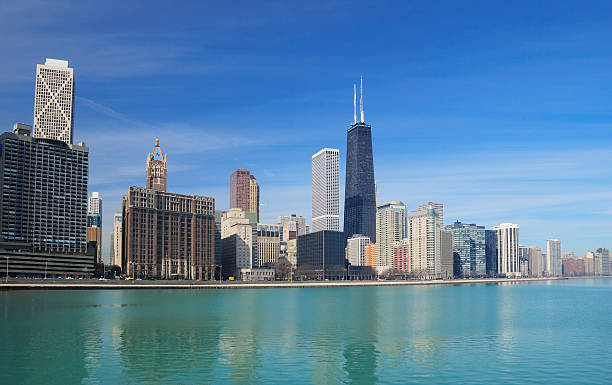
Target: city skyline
column 544, row 176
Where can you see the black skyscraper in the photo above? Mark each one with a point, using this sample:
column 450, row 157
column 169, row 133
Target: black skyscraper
column 359, row 193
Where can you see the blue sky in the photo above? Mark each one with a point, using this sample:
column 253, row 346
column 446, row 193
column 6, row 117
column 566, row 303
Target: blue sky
column 500, row 110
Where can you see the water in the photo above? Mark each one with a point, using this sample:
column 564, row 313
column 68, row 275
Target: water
column 545, row 332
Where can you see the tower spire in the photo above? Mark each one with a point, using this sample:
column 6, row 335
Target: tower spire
column 354, row 103
column 361, row 99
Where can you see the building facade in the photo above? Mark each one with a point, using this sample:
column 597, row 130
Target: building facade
column 401, row 256
column 157, row 169
column 491, row 252
column 54, row 101
column 254, row 196
column 447, row 270
column 572, row 267
column 326, row 190
column 360, row 190
column 356, row 249
column 469, row 249
column 507, row 249
column 240, row 190
column 321, row 255
column 424, row 237
column 237, row 243
column 439, row 207
column 553, row 258
column 603, row 261
column 536, row 263
column 390, row 228
column 293, row 226
column 94, row 223
column 116, row 255
column 268, row 244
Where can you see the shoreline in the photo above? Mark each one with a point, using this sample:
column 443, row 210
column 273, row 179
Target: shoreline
column 215, row 285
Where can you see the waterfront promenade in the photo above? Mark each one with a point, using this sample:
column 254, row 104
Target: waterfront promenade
column 22, row 284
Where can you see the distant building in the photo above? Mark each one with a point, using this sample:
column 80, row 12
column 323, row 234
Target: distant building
column 536, row 263
column 553, row 257
column 603, row 261
column 54, row 101
column 157, row 169
column 356, row 249
column 439, row 207
column 94, row 223
column 469, row 249
column 390, row 228
column 359, row 192
column 507, row 249
column 401, row 256
column 491, row 252
column 244, row 192
column 321, row 255
column 589, row 263
column 268, row 244
column 370, row 252
column 40, row 225
column 116, row 255
column 326, row 190
column 424, row 237
column 446, row 254
column 237, row 244
column 293, row 226
column 572, row 267
column 254, row 196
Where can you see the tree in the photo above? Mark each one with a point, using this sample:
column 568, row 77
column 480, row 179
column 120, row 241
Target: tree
column 282, row 269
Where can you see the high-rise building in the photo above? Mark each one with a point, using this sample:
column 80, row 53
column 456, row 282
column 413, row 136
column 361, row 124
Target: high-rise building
column 157, row 169
column 507, row 249
column 572, row 267
column 523, row 253
column 553, row 257
column 359, row 192
column 491, row 252
column 254, row 196
column 94, row 223
column 268, row 244
column 446, row 254
column 439, row 207
column 424, row 237
column 43, row 204
column 54, row 101
column 370, row 252
column 401, row 256
column 237, row 240
column 390, row 228
column 469, row 249
column 326, row 190
column 240, row 190
column 536, row 263
column 321, row 255
column 293, row 226
column 589, row 263
column 356, row 249
column 116, row 255
column 603, row 261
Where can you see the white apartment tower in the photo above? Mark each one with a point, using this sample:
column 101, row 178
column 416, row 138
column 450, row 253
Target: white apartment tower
column 117, row 240
column 326, row 190
column 507, row 249
column 54, row 101
column 356, row 249
column 95, row 204
column 424, row 227
column 439, row 207
column 553, row 258
column 390, row 228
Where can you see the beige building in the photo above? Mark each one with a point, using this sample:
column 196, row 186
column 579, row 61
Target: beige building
column 536, row 262
column 589, row 263
column 446, row 254
column 268, row 244
column 157, row 169
column 54, row 101
column 424, row 227
column 390, row 228
column 116, row 240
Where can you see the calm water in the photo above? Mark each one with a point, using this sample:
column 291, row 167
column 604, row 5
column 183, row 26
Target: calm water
column 551, row 332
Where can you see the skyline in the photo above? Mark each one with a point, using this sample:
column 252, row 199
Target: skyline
column 558, row 185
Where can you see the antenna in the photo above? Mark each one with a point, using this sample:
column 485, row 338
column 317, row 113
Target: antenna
column 354, row 103
column 361, row 99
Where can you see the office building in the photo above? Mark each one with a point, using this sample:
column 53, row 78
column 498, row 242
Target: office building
column 507, row 249
column 359, row 192
column 424, row 237
column 401, row 256
column 469, row 249
column 536, row 263
column 390, row 228
column 356, row 249
column 491, row 252
column 43, row 204
column 244, row 191
column 326, row 190
column 167, row 235
column 268, row 244
column 54, row 101
column 553, row 258
column 254, row 196
column 293, row 226
column 321, row 255
column 157, row 169
column 116, row 255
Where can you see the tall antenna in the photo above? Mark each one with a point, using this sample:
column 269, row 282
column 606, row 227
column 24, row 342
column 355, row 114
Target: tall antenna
column 354, row 103
column 361, row 99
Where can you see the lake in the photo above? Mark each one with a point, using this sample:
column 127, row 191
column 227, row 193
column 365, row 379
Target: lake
column 512, row 333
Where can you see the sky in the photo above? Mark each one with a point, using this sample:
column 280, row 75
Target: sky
column 500, row 110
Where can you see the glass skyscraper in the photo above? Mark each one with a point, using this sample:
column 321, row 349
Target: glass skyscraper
column 469, row 249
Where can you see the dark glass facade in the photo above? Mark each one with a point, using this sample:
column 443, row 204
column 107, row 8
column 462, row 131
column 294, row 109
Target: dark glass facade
column 469, row 251
column 360, row 193
column 321, row 255
column 491, row 251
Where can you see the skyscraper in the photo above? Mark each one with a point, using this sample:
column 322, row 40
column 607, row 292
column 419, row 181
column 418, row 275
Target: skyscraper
column 94, row 210
column 117, row 240
column 424, row 238
column 469, row 250
column 603, row 260
column 254, row 196
column 326, row 190
column 356, row 249
column 244, row 191
column 157, row 169
column 390, row 228
column 507, row 249
column 360, row 192
column 553, row 257
column 536, row 266
column 54, row 101
column 439, row 207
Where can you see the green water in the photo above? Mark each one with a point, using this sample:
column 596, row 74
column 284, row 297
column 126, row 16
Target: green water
column 545, row 332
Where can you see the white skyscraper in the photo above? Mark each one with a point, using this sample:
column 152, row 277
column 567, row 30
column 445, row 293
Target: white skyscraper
column 95, row 204
column 356, row 249
column 507, row 249
column 326, row 190
column 439, row 207
column 553, row 257
column 116, row 239
column 54, row 101
column 390, row 228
